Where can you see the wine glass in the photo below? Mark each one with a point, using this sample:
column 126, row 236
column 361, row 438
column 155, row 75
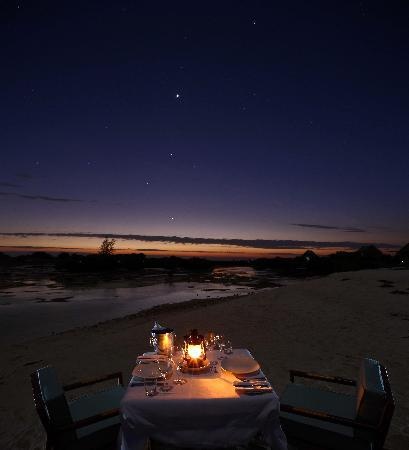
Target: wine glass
column 210, row 341
column 177, row 360
column 164, row 368
column 220, row 344
column 150, row 385
column 228, row 347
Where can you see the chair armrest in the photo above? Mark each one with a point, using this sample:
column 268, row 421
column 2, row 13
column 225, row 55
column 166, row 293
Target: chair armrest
column 313, row 414
column 80, row 384
column 91, row 420
column 317, row 376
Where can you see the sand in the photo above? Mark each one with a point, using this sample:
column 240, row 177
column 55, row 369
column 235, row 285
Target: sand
column 323, row 324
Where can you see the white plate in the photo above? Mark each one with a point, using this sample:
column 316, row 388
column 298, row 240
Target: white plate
column 147, row 369
column 240, row 365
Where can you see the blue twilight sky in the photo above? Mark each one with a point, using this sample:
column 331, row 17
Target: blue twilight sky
column 243, row 120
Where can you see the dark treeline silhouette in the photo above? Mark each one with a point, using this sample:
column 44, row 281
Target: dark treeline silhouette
column 308, row 264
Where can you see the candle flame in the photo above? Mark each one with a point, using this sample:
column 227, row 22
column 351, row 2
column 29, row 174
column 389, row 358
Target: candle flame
column 194, row 351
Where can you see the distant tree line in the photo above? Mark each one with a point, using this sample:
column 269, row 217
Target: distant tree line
column 367, row 257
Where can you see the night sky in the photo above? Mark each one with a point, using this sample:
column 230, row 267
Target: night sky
column 281, row 121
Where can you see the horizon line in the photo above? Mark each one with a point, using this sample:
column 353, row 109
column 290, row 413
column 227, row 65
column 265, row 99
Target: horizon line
column 266, row 244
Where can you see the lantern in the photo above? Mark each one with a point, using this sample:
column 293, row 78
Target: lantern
column 194, row 350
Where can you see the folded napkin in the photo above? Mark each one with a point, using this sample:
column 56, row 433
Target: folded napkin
column 251, row 376
column 253, row 386
column 252, row 390
column 251, row 383
column 151, row 357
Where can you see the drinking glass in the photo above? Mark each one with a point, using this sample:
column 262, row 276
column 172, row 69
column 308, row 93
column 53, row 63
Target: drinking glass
column 220, row 344
column 177, row 360
column 164, row 367
column 228, row 347
column 210, row 341
column 147, row 371
column 150, row 385
column 213, row 366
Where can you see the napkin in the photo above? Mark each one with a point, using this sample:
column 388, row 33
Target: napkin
column 251, row 383
column 256, row 389
column 151, row 357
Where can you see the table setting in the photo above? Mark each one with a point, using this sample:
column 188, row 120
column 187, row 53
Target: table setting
column 202, row 393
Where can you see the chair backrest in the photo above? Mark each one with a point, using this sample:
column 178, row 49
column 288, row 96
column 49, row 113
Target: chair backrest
column 50, row 401
column 374, row 402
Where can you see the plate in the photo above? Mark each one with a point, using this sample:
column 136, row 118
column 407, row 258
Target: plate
column 240, row 365
column 147, row 369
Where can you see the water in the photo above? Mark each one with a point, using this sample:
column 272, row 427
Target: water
column 42, row 306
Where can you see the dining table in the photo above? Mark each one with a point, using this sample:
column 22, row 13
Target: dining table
column 206, row 412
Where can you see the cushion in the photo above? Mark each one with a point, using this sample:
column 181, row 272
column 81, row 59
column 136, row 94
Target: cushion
column 371, row 396
column 319, row 400
column 323, row 434
column 91, row 405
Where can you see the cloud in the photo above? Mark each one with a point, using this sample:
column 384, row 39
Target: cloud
column 25, row 176
column 266, row 244
column 6, row 184
column 330, row 227
column 148, row 250
column 45, row 198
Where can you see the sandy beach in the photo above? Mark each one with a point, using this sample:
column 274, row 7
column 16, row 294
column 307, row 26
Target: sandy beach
column 322, row 324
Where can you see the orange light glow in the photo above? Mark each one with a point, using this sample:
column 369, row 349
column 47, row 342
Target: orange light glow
column 194, row 351
column 29, row 244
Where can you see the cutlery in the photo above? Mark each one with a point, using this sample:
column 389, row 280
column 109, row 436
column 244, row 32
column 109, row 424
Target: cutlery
column 253, row 379
column 251, row 383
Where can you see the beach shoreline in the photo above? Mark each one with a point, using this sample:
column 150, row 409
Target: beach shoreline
column 323, row 324
column 78, row 302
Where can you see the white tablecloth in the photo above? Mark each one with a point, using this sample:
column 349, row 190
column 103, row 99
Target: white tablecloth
column 206, row 412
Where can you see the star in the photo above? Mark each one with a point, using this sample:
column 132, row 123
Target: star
column 253, row 21
column 177, row 96
column 171, row 155
column 147, row 183
column 171, row 218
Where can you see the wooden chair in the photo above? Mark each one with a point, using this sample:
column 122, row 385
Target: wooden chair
column 331, row 420
column 90, row 422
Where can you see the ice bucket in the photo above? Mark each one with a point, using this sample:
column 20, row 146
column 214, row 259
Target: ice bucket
column 162, row 339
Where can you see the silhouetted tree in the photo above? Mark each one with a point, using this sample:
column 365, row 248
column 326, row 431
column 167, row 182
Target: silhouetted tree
column 107, row 247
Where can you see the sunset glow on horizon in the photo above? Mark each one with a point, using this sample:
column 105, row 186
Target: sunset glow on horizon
column 18, row 245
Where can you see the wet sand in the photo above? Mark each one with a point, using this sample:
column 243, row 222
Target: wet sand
column 323, row 324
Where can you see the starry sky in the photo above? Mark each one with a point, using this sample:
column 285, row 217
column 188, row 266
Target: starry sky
column 230, row 127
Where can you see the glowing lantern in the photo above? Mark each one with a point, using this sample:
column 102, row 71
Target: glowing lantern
column 194, row 350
